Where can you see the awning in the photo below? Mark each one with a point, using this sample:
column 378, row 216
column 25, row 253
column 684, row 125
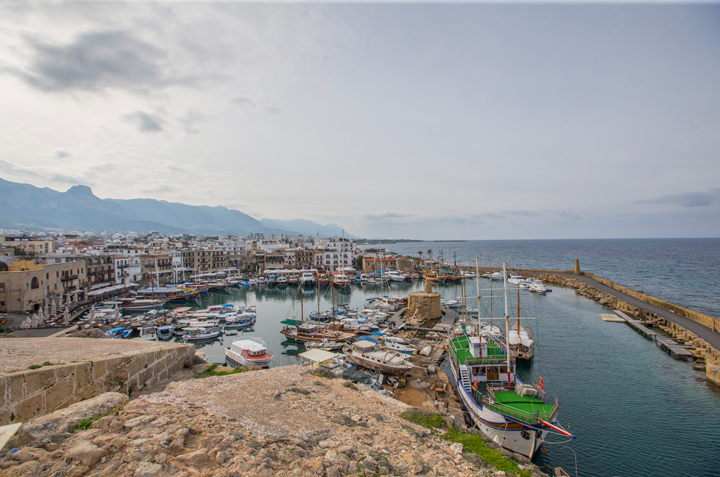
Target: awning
column 317, row 355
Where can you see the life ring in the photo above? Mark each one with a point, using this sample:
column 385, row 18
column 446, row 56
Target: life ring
column 541, row 383
column 475, row 386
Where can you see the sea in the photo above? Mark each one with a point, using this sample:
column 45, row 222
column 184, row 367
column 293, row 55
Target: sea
column 635, row 410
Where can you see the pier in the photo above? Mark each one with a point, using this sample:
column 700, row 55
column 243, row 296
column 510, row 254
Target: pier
column 675, row 348
column 638, row 325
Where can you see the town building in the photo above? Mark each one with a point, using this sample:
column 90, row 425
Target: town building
column 26, row 286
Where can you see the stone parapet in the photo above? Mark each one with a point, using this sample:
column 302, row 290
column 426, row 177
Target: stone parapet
column 34, row 392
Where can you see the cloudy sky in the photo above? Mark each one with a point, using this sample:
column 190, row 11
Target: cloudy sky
column 422, row 120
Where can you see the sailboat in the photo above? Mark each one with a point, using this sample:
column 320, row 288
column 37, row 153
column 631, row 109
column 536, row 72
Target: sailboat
column 515, row 415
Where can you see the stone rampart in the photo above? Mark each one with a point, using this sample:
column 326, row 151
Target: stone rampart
column 48, row 387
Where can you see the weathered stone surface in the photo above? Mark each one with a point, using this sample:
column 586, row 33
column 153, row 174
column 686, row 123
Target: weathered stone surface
column 61, row 421
column 147, row 469
column 85, row 452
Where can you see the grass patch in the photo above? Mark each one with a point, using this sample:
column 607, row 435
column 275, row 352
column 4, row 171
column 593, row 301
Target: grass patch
column 473, row 443
column 46, row 363
column 212, row 372
column 86, row 423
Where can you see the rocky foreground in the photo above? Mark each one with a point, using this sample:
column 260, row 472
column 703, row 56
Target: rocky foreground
column 279, row 422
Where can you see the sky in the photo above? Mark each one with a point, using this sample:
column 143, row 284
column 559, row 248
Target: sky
column 396, row 120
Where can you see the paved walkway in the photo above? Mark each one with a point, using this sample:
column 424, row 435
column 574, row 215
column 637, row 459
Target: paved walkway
column 711, row 337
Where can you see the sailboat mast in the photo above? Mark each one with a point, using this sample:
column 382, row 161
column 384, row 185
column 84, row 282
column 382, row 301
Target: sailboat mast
column 477, row 285
column 507, row 325
column 302, row 311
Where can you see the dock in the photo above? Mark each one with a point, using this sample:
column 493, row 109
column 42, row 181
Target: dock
column 638, row 325
column 675, row 348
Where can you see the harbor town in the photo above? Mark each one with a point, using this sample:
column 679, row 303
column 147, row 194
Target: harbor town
column 441, row 338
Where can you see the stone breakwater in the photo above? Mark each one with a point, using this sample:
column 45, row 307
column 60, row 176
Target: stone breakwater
column 42, row 375
column 702, row 351
column 278, row 422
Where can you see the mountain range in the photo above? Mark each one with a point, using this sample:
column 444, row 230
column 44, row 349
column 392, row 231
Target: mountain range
column 24, row 206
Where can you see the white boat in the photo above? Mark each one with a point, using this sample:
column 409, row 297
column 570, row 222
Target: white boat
column 252, row 352
column 453, row 303
column 496, row 276
column 341, row 280
column 147, row 332
column 307, row 278
column 393, row 343
column 515, row 279
column 253, row 282
column 364, row 353
column 282, row 281
column 141, row 304
column 522, row 341
column 394, row 276
column 200, row 333
column 537, row 286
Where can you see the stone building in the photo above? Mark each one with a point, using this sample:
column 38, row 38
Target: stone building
column 374, row 264
column 29, row 244
column 26, row 286
column 304, row 258
column 100, row 269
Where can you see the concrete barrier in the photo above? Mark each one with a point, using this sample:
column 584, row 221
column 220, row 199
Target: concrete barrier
column 34, row 392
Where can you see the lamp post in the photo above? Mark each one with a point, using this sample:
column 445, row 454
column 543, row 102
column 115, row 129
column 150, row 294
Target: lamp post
column 566, row 447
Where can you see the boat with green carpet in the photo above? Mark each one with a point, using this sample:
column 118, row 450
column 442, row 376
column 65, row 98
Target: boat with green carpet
column 515, row 415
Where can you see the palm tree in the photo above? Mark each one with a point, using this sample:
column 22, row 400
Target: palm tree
column 429, row 252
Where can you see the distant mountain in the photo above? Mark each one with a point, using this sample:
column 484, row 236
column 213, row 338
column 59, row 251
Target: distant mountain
column 306, row 227
column 25, row 206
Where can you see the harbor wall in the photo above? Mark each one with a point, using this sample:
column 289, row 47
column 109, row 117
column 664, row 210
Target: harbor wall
column 34, row 392
column 703, row 319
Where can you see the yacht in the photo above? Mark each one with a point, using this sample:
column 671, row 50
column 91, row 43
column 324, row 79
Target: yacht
column 515, row 279
column 307, row 278
column 394, row 276
column 537, row 286
column 365, row 354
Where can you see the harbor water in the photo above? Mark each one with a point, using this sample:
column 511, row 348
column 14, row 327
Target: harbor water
column 635, row 410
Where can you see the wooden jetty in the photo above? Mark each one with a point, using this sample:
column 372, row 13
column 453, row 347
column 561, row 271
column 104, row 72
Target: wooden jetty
column 638, row 325
column 675, row 348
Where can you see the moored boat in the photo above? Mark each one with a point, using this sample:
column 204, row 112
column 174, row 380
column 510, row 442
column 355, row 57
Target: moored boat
column 252, row 352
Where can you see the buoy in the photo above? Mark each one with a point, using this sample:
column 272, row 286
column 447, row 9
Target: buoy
column 541, row 383
column 475, row 386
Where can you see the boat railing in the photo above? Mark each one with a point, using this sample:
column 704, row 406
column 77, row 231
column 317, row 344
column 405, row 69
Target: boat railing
column 545, row 415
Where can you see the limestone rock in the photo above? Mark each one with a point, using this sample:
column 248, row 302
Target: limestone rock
column 147, row 469
column 86, row 452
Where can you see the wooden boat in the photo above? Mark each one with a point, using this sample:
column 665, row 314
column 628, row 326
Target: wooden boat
column 365, row 354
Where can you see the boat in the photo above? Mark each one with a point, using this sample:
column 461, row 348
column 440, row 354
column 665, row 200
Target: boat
column 147, row 332
column 394, row 276
column 282, row 281
column 393, row 343
column 522, row 341
column 168, row 293
column 537, row 286
column 515, row 279
column 200, row 333
column 252, row 352
column 119, row 332
column 307, row 278
column 365, row 354
column 141, row 304
column 326, row 345
column 453, row 303
column 164, row 333
column 306, row 331
column 514, row 415
column 340, row 280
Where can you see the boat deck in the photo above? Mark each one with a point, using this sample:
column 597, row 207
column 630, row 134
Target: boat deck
column 529, row 405
column 461, row 349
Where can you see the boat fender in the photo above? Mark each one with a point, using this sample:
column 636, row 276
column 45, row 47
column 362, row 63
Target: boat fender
column 541, row 383
column 475, row 386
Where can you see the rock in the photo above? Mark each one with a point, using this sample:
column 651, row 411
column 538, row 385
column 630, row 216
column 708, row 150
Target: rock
column 195, row 458
column 457, row 448
column 30, row 468
column 59, row 422
column 147, row 469
column 78, row 471
column 86, row 452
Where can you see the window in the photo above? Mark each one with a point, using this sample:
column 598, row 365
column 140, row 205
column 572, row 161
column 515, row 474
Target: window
column 34, row 283
column 2, row 287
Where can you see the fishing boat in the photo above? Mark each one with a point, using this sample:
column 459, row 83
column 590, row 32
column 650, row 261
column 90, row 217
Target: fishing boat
column 364, row 353
column 393, row 343
column 200, row 333
column 119, row 332
column 141, row 304
column 282, row 281
column 306, row 331
column 515, row 415
column 252, row 352
column 340, row 280
column 522, row 342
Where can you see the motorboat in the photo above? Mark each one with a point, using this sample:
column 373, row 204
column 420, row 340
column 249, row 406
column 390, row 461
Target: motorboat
column 393, row 343
column 515, row 279
column 537, row 286
column 340, row 280
column 453, row 303
column 282, row 281
column 394, row 276
column 252, row 352
column 147, row 332
column 307, row 278
column 119, row 332
column 200, row 333
column 164, row 333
